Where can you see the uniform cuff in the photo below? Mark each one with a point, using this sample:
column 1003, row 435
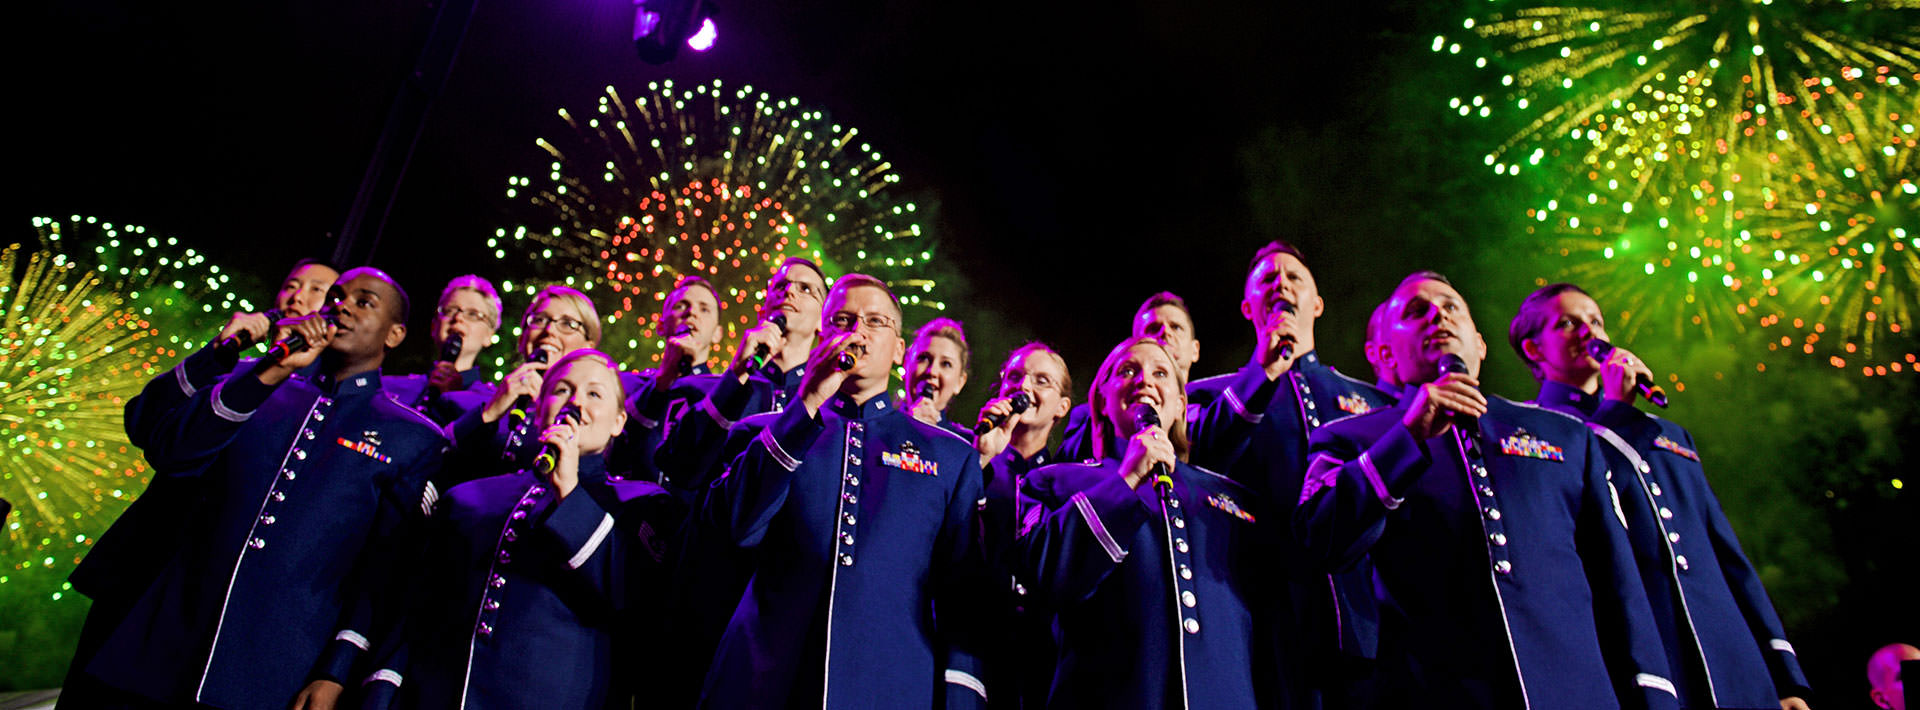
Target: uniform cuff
column 1394, row 461
column 790, row 435
column 1250, row 393
column 1111, row 511
column 336, row 662
column 235, row 398
column 581, row 526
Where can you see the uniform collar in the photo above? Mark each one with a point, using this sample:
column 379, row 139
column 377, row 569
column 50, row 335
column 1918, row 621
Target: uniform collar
column 700, row 369
column 1555, row 395
column 469, row 376
column 842, row 404
column 359, row 383
column 593, row 465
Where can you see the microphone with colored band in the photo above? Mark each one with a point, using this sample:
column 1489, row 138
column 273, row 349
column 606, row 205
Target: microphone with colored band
column 845, row 359
column 549, row 457
column 520, row 404
column 296, row 342
column 239, row 341
column 1147, row 416
column 1601, row 350
column 760, row 352
column 1020, row 402
column 1286, row 347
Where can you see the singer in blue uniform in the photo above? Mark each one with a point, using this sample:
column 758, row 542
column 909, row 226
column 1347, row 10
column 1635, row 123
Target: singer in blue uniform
column 1018, row 642
column 1493, row 530
column 468, row 312
column 1152, row 581
column 1724, row 641
column 690, row 316
column 312, row 490
column 710, row 572
column 937, row 363
column 863, row 520
column 127, row 557
column 1163, row 315
column 530, row 572
column 1326, row 626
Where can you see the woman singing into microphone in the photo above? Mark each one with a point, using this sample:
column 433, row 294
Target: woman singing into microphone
column 531, row 572
column 1146, row 560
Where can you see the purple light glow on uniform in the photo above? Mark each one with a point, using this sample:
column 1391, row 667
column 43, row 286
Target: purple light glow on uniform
column 703, row 40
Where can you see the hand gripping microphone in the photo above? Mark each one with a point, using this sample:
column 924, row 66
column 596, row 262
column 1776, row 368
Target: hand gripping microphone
column 239, row 341
column 686, row 365
column 1147, row 416
column 1020, row 402
column 296, row 342
column 449, row 352
column 760, row 351
column 1286, row 346
column 549, row 457
column 520, row 404
column 1601, row 350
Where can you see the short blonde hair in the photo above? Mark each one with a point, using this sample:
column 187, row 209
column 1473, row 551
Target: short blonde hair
column 589, row 316
column 470, row 282
column 567, row 361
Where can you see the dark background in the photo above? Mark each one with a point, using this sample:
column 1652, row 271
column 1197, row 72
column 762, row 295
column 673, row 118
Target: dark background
column 1081, row 156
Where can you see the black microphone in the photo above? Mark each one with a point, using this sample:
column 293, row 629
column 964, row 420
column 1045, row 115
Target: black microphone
column 520, row 404
column 686, row 365
column 845, row 359
column 1451, row 363
column 1601, row 350
column 924, row 390
column 239, row 341
column 330, row 311
column 1020, row 402
column 1286, row 347
column 1147, row 416
column 760, row 352
column 449, row 352
column 549, row 457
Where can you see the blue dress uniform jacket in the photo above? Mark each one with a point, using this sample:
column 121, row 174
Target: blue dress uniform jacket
column 653, row 411
column 1506, row 552
column 1017, row 646
column 1724, row 642
column 864, row 520
column 1077, row 443
column 412, row 390
column 520, row 603
column 692, row 447
column 1153, row 604
column 311, row 490
column 1255, row 430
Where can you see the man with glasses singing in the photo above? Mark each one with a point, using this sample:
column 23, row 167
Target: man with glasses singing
column 470, row 309
column 862, row 517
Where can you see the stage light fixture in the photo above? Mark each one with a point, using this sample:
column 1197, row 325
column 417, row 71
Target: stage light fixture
column 661, row 26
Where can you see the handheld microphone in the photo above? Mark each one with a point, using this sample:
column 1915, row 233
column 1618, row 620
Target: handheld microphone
column 1020, row 402
column 1601, row 350
column 549, row 457
column 1147, row 416
column 845, row 359
column 686, row 366
column 520, row 404
column 239, row 341
column 296, row 342
column 449, row 352
column 760, row 352
column 1451, row 363
column 1286, row 346
column 923, row 390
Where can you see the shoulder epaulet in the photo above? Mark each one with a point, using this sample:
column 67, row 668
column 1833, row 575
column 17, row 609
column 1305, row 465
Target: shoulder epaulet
column 943, row 430
column 1536, row 407
column 1337, row 373
column 1214, row 474
column 418, row 416
column 1223, row 377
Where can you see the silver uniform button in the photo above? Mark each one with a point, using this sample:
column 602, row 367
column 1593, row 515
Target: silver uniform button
column 279, row 497
column 506, row 557
column 1644, row 468
column 853, row 459
column 300, row 454
column 492, row 604
column 1180, row 543
column 256, row 543
column 486, row 629
column 1486, row 490
column 511, row 535
column 308, row 433
column 1503, row 567
column 267, row 519
column 1499, row 539
column 1655, row 487
column 1493, row 513
column 850, row 519
column 1186, row 572
column 1180, row 523
column 846, row 538
column 1176, row 502
column 1187, row 599
column 288, row 474
column 846, row 560
column 319, row 416
column 853, row 499
column 497, row 581
column 1673, row 537
column 1191, row 625
column 1681, row 560
column 1666, row 514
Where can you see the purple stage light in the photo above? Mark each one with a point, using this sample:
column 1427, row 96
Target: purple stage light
column 702, row 40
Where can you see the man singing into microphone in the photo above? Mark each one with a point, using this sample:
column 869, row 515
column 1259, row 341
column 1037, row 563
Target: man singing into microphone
column 863, row 519
column 1492, row 527
column 1144, row 558
column 311, row 489
column 690, row 320
column 463, row 325
column 1724, row 642
column 937, row 365
column 1255, row 430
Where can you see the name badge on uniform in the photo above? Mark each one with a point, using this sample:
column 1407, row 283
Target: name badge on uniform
column 366, row 448
column 1226, row 504
column 908, row 459
column 1526, row 445
column 1353, row 404
column 1675, row 447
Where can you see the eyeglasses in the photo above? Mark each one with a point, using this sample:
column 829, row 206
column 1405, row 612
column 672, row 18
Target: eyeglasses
column 457, row 313
column 806, row 289
column 563, row 324
column 845, row 322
